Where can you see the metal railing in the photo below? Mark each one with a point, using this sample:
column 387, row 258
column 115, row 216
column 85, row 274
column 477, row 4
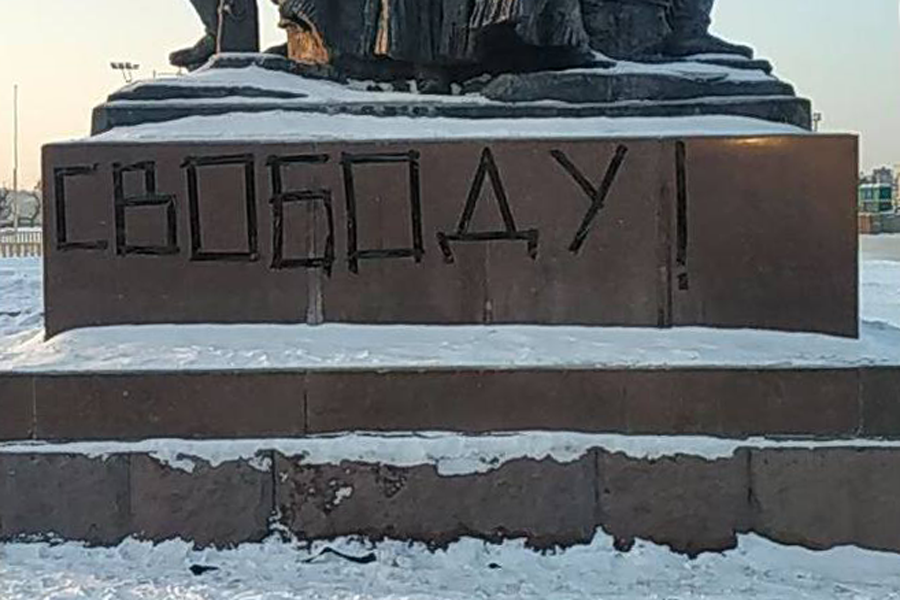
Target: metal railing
column 22, row 243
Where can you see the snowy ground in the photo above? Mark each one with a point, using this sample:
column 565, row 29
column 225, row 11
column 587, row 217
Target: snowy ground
column 21, row 296
column 281, row 570
column 468, row 570
column 22, row 347
column 880, row 279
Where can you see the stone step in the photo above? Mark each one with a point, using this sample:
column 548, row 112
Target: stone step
column 727, row 402
column 778, row 108
column 693, row 495
column 164, row 91
column 593, row 86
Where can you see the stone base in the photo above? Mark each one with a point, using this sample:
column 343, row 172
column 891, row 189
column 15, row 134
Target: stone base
column 819, row 498
column 600, row 86
column 736, row 231
column 778, row 109
column 694, row 86
column 734, row 403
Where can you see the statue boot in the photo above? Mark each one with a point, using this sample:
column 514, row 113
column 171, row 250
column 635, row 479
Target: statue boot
column 196, row 55
column 236, row 31
column 690, row 21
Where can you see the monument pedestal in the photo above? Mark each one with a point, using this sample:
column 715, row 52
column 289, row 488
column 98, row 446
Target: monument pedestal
column 246, row 193
column 732, row 231
column 349, row 219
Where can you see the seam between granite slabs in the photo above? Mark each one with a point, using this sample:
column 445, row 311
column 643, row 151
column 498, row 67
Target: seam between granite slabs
column 271, row 524
column 860, row 403
column 34, row 412
column 598, row 505
column 749, row 525
column 665, row 298
column 305, row 400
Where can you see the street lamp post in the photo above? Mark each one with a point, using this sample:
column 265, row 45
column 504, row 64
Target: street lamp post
column 15, row 191
column 816, row 120
column 126, row 68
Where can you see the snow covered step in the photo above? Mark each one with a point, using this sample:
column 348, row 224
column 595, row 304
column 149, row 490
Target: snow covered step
column 692, row 494
column 257, row 403
column 712, row 85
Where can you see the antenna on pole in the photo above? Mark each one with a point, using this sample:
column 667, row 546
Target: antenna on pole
column 15, row 193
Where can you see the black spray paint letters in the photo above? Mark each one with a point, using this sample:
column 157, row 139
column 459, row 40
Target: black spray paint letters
column 405, row 165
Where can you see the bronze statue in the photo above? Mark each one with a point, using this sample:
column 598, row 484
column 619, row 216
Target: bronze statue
column 511, row 34
column 432, row 31
column 438, row 41
column 640, row 29
column 690, row 21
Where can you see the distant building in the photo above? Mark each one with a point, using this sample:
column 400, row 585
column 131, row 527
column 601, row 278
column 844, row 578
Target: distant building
column 878, row 191
column 876, row 197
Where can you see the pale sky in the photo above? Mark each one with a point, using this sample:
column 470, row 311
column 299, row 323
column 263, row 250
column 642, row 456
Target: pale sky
column 843, row 54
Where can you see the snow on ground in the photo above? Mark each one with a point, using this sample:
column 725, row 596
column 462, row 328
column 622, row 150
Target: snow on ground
column 21, row 296
column 880, row 293
column 468, row 570
column 273, row 126
column 202, row 347
column 205, row 347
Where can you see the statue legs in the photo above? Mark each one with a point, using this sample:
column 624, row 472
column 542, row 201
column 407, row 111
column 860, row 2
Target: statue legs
column 636, row 29
column 627, row 29
column 236, row 31
column 690, row 21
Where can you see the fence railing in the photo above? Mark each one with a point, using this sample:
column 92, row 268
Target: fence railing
column 22, row 243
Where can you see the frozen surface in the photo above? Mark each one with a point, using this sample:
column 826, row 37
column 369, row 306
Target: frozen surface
column 276, row 126
column 450, row 453
column 881, row 291
column 21, row 296
column 469, row 569
column 202, row 347
column 880, row 279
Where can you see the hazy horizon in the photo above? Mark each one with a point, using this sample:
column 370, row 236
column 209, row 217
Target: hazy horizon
column 844, row 57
